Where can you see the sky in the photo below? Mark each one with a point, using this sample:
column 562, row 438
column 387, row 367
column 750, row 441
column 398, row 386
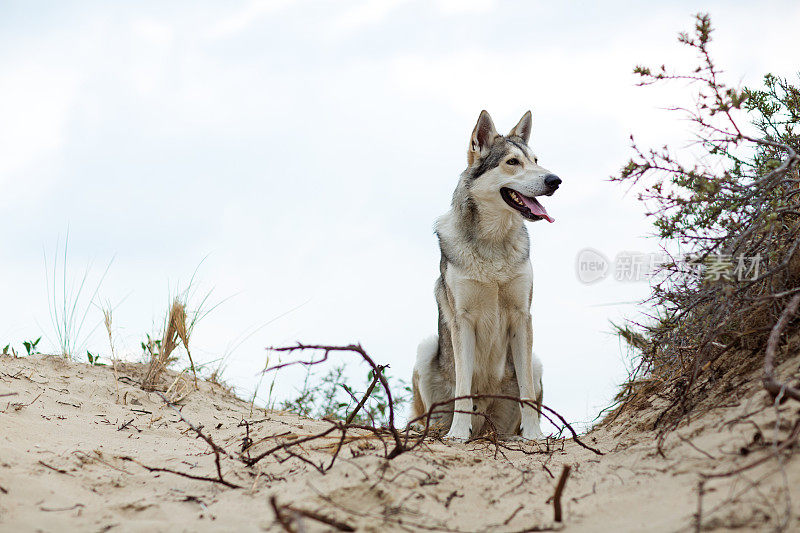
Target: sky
column 292, row 156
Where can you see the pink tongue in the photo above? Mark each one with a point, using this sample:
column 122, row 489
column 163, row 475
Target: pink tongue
column 536, row 208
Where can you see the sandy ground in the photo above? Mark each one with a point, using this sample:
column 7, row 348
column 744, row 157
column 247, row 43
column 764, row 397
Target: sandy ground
column 65, row 440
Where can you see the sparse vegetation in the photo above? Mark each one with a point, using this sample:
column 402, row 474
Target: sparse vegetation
column 177, row 329
column 332, row 397
column 94, row 360
column 178, row 326
column 70, row 303
column 30, row 346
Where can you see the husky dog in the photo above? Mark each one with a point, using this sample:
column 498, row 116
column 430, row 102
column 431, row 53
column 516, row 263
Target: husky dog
column 484, row 345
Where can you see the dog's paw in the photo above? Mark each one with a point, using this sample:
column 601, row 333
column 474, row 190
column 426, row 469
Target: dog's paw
column 457, row 435
column 533, row 434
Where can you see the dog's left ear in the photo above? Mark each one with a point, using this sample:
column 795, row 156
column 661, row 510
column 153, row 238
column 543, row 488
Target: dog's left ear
column 523, row 128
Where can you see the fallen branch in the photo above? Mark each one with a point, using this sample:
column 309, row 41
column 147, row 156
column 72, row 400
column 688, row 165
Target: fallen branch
column 284, row 446
column 282, row 520
column 539, row 408
column 214, row 447
column 773, row 386
column 179, row 473
column 341, row 526
column 791, row 439
column 698, row 515
column 400, row 445
column 510, row 518
column 53, row 468
column 562, row 481
column 217, row 449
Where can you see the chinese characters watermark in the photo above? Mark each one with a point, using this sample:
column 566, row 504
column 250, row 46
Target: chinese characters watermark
column 592, row 266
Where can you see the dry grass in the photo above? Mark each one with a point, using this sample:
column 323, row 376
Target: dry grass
column 107, row 321
column 178, row 330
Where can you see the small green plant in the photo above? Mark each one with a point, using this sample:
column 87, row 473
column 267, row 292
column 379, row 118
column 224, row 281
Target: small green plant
column 151, row 348
column 94, row 360
column 30, row 346
column 5, row 349
column 334, row 398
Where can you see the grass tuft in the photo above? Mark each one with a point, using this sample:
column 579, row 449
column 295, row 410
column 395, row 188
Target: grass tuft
column 69, row 302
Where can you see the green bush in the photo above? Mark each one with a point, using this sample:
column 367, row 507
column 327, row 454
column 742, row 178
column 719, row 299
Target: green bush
column 728, row 210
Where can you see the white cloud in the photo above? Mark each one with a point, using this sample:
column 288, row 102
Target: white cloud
column 245, row 17
column 453, row 7
column 35, row 105
column 153, row 31
column 364, row 14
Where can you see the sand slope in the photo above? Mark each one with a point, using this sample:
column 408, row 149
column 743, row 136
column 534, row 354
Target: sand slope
column 64, row 440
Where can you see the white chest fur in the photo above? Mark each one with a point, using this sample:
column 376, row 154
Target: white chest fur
column 491, row 307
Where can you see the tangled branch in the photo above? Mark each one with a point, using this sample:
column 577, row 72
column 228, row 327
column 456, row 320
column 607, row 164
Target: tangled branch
column 772, row 385
column 400, row 443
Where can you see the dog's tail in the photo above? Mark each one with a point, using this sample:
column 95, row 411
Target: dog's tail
column 426, row 351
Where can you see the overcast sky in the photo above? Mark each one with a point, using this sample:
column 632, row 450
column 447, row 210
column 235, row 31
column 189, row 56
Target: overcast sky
column 304, row 149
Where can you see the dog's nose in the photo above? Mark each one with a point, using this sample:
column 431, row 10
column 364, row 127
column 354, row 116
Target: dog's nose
column 552, row 181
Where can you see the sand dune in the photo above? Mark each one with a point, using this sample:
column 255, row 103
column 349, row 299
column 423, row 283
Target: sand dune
column 73, row 458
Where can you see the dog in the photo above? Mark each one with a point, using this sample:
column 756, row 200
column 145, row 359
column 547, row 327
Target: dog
column 485, row 340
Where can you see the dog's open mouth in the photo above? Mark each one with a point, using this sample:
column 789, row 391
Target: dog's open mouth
column 529, row 207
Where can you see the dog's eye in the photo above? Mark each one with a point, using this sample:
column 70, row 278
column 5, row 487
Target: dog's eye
column 512, row 162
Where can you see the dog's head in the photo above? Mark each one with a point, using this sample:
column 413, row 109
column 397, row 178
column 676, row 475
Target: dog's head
column 504, row 173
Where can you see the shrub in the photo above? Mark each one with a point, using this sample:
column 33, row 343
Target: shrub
column 334, row 398
column 730, row 218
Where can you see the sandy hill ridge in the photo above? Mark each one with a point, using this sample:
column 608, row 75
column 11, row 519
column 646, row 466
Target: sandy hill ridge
column 74, row 459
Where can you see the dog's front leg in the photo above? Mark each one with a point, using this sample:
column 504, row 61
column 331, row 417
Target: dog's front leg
column 464, row 348
column 522, row 352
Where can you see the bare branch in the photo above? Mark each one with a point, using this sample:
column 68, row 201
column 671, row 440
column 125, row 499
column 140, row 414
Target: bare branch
column 772, row 385
column 562, row 482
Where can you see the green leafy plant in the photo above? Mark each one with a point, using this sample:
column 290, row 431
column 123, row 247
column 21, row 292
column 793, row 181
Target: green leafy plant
column 333, row 397
column 151, row 347
column 94, row 360
column 30, row 346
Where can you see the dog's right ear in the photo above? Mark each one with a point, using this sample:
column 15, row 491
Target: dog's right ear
column 483, row 136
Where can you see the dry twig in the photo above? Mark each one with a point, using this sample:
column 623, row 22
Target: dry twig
column 562, row 482
column 773, row 386
column 285, row 523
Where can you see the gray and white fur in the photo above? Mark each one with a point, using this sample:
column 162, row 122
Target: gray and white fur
column 484, row 292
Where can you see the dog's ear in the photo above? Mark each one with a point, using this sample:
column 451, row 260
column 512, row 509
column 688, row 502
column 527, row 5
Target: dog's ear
column 523, row 128
column 483, row 136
